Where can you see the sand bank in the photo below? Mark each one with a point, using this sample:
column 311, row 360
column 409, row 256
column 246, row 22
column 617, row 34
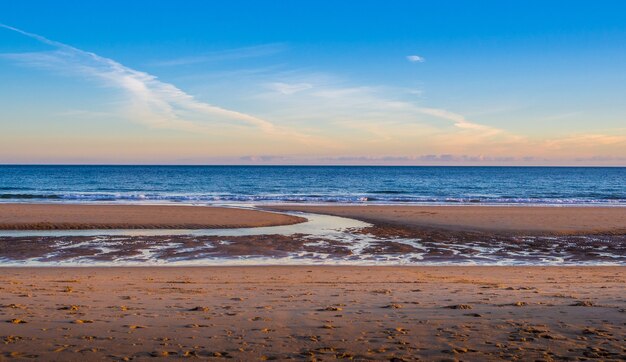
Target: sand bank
column 523, row 219
column 64, row 216
column 305, row 313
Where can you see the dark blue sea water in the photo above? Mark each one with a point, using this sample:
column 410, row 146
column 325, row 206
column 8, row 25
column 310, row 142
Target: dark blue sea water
column 315, row 184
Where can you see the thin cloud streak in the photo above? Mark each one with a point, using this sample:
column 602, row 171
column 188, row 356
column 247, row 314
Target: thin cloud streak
column 287, row 88
column 231, row 54
column 153, row 102
column 459, row 120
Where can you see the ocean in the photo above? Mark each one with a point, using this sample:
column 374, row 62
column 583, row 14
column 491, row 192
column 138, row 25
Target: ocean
column 315, row 184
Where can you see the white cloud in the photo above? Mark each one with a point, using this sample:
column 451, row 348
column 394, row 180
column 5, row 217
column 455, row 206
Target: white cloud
column 359, row 118
column 287, row 88
column 415, row 59
column 459, row 120
column 151, row 101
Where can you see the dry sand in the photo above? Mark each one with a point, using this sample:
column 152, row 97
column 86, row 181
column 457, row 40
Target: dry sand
column 64, row 216
column 517, row 219
column 314, row 313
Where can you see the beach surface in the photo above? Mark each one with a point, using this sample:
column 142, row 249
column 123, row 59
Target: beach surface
column 416, row 235
column 514, row 219
column 525, row 219
column 73, row 216
column 314, row 313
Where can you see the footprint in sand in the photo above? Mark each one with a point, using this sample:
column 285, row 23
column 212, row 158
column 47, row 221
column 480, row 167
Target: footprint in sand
column 459, row 306
column 16, row 321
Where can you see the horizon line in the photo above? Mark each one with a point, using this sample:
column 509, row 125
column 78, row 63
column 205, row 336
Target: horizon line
column 294, row 165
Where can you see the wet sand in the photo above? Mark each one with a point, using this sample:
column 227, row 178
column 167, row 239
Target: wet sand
column 66, row 216
column 515, row 219
column 314, row 313
column 375, row 245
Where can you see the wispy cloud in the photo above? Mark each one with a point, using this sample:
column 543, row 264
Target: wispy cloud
column 369, row 107
column 415, row 59
column 379, row 119
column 230, row 54
column 459, row 120
column 287, row 88
column 585, row 141
column 151, row 101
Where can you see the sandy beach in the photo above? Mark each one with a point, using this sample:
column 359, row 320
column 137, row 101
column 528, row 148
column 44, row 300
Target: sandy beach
column 314, row 313
column 308, row 312
column 72, row 216
column 515, row 219
column 398, row 234
column 526, row 219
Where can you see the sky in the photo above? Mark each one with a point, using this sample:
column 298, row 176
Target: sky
column 313, row 82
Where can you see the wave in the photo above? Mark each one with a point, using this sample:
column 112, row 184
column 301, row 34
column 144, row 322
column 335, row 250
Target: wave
column 380, row 198
column 387, row 192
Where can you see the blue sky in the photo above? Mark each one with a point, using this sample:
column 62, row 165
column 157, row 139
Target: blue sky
column 322, row 82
